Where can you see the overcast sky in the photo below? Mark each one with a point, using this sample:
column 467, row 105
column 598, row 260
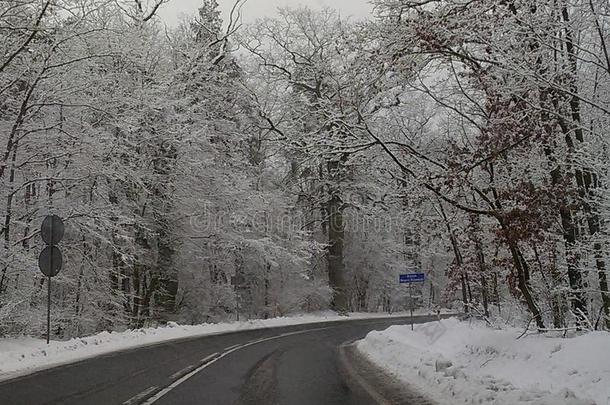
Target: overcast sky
column 254, row 9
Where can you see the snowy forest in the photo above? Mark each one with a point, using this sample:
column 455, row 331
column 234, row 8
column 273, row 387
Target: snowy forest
column 217, row 169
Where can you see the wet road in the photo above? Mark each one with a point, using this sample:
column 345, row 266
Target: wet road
column 294, row 365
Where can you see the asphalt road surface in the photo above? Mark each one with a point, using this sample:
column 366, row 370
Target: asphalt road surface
column 294, row 365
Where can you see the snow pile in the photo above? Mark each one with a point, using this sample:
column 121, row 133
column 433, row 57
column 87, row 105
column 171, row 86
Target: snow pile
column 456, row 362
column 26, row 355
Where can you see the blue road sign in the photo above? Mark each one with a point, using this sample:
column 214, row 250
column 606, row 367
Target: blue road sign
column 411, row 278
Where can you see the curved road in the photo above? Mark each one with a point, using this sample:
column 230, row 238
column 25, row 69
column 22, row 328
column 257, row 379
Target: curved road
column 295, row 365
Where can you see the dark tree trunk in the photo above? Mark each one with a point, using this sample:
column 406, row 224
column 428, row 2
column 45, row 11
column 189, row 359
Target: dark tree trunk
column 167, row 274
column 554, row 300
column 467, row 280
column 586, row 179
column 497, row 293
column 336, row 236
column 458, row 259
column 522, row 269
column 465, row 295
column 336, row 268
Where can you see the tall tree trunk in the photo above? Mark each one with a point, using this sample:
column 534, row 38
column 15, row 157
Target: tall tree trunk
column 458, row 258
column 7, row 221
column 336, row 267
column 482, row 274
column 464, row 294
column 519, row 262
column 484, row 295
column 168, row 275
column 523, row 280
column 467, row 281
column 496, row 292
column 586, row 179
column 553, row 299
column 478, row 247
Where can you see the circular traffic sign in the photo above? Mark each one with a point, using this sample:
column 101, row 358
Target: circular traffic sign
column 52, row 230
column 50, row 261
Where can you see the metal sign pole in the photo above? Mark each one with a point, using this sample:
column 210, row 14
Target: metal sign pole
column 49, row 291
column 49, row 286
column 411, row 303
column 237, row 305
column 410, row 279
column 49, row 311
column 50, row 259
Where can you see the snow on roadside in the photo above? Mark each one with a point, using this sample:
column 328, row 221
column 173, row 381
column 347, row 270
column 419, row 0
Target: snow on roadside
column 455, row 362
column 26, row 355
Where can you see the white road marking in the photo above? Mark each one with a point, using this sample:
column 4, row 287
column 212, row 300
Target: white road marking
column 136, row 399
column 185, row 370
column 208, row 361
column 176, row 383
column 232, row 347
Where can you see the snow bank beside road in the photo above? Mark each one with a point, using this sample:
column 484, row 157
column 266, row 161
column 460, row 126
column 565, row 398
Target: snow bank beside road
column 456, row 362
column 26, row 355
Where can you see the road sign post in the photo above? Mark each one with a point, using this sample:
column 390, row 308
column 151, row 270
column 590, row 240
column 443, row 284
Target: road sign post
column 50, row 259
column 411, row 303
column 238, row 281
column 411, row 278
column 49, row 310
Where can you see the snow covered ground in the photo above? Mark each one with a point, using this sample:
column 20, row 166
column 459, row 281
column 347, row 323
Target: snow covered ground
column 26, row 355
column 456, row 362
